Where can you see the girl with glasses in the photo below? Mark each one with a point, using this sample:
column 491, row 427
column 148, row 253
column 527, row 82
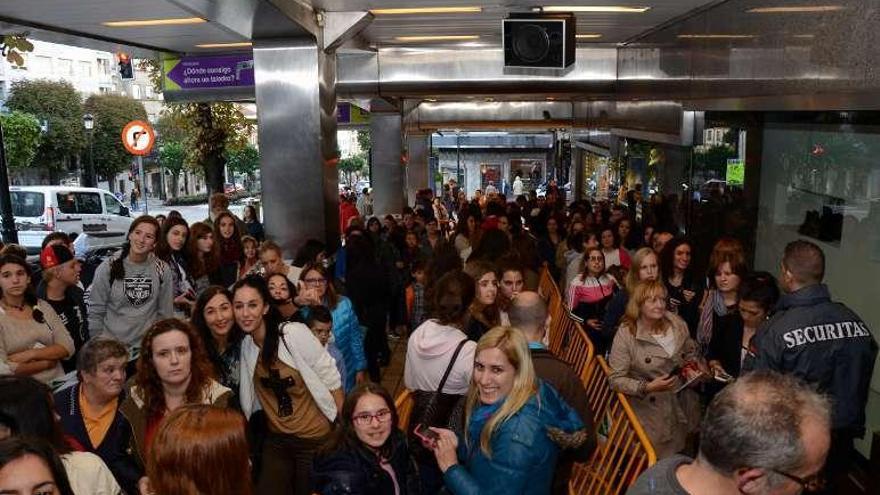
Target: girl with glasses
column 589, row 293
column 368, row 453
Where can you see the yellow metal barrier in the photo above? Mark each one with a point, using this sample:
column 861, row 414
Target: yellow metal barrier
column 576, row 348
column 404, row 404
column 624, row 450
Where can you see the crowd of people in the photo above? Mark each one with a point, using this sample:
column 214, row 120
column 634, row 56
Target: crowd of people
column 200, row 361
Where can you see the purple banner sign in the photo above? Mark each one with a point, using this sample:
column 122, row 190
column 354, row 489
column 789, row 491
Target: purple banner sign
column 194, row 72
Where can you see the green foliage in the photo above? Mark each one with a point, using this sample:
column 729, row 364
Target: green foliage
column 60, row 105
column 352, row 165
column 244, row 161
column 111, row 113
column 363, row 140
column 714, row 158
column 172, row 156
column 21, row 138
column 13, row 45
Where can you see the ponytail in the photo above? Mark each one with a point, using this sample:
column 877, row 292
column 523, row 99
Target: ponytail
column 117, row 267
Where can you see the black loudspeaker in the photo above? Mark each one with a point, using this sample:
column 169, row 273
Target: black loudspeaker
column 545, row 41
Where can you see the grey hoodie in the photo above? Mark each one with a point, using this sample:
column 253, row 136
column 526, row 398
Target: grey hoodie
column 127, row 307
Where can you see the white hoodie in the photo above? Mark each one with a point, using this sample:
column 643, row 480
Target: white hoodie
column 428, row 352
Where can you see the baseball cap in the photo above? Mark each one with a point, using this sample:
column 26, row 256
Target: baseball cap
column 54, row 255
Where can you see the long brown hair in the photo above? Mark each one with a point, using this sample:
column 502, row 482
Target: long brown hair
column 147, row 378
column 163, row 250
column 201, row 264
column 200, row 449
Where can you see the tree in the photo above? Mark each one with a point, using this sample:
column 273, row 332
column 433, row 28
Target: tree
column 111, row 113
column 172, row 156
column 210, row 129
column 60, row 106
column 12, row 45
column 243, row 161
column 352, row 164
column 363, row 140
column 21, row 138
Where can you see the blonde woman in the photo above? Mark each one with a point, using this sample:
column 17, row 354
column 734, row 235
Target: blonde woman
column 645, row 267
column 515, row 424
column 652, row 357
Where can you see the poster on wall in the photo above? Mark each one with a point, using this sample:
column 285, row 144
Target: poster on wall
column 736, row 172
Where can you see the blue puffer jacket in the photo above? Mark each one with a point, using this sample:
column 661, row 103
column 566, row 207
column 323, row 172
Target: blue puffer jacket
column 349, row 341
column 523, row 455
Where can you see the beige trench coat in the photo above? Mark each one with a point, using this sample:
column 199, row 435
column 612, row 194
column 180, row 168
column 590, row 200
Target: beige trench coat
column 635, row 360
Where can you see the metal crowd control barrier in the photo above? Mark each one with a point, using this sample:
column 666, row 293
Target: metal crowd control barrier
column 404, row 404
column 624, row 450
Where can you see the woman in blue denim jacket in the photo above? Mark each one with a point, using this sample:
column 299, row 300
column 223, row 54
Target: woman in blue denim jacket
column 515, row 427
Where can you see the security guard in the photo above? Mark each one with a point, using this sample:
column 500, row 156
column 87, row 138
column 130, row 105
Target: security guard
column 824, row 343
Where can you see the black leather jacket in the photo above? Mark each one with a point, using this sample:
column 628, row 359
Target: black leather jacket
column 824, row 343
column 357, row 471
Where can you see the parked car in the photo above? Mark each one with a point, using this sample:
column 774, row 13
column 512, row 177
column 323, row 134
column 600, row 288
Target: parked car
column 94, row 216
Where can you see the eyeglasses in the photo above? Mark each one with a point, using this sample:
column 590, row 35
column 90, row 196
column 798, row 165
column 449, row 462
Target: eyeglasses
column 366, row 419
column 314, row 281
column 596, row 258
column 812, row 483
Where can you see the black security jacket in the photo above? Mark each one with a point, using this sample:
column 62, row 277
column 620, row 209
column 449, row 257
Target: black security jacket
column 826, row 344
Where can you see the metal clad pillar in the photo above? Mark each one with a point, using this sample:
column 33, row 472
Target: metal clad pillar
column 418, row 174
column 388, row 171
column 296, row 104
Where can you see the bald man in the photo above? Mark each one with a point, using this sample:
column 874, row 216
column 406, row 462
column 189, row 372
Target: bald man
column 528, row 313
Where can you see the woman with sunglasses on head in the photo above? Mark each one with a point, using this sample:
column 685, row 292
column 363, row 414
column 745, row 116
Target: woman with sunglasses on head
column 368, row 453
column 33, row 339
column 133, row 289
column 286, row 372
column 214, row 320
column 316, row 288
column 515, row 424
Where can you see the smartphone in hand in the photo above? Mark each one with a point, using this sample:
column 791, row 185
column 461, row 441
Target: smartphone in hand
column 428, row 436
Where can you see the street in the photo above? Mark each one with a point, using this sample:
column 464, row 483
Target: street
column 190, row 213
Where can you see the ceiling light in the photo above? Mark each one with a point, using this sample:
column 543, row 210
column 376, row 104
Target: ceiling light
column 804, row 36
column 796, row 9
column 155, row 22
column 225, row 45
column 595, row 8
column 716, row 36
column 588, row 36
column 449, row 37
column 427, row 10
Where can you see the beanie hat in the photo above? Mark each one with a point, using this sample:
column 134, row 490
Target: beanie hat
column 54, row 255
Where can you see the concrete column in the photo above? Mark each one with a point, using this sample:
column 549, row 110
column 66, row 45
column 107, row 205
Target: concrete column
column 418, row 174
column 388, row 172
column 296, row 105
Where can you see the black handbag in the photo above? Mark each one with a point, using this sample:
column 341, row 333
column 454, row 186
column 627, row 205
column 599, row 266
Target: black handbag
column 436, row 409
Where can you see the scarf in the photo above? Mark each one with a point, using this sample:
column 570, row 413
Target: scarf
column 712, row 305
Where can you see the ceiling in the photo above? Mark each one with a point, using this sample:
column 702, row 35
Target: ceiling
column 64, row 21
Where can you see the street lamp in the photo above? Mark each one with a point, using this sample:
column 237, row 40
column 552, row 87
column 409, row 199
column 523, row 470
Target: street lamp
column 89, row 124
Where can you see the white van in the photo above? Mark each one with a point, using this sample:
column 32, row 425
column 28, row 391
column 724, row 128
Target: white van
column 97, row 218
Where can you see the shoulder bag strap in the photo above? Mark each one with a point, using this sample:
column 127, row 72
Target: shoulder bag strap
column 451, row 363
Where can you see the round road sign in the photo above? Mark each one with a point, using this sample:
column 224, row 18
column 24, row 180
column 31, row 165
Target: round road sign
column 138, row 137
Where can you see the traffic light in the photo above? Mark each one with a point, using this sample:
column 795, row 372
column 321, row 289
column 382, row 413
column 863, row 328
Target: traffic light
column 125, row 70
